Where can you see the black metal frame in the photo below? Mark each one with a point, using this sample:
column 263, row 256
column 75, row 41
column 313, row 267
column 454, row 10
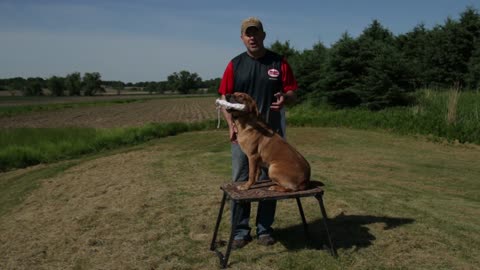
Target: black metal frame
column 236, row 216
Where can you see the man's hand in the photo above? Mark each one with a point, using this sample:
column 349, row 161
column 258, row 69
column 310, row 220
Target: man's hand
column 233, row 134
column 282, row 99
column 278, row 104
column 232, row 129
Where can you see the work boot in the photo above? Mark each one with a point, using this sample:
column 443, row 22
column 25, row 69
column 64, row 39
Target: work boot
column 266, row 240
column 240, row 243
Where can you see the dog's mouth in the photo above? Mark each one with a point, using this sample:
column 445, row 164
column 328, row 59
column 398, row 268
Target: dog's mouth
column 231, row 99
column 232, row 110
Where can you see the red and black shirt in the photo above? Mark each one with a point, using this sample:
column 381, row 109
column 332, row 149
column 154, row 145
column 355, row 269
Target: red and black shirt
column 260, row 78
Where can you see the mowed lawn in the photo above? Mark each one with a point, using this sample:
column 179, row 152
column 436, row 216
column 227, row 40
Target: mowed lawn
column 395, row 202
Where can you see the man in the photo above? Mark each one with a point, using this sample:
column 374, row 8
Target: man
column 268, row 79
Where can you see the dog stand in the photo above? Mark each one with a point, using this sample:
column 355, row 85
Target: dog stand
column 260, row 192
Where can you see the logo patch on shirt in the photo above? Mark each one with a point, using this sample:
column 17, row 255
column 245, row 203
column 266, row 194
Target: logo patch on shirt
column 273, row 73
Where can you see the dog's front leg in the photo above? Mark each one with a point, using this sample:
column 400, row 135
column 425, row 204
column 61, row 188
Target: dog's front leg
column 253, row 172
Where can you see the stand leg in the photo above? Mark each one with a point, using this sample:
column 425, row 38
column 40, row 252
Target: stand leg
column 236, row 220
column 325, row 223
column 305, row 225
column 217, row 225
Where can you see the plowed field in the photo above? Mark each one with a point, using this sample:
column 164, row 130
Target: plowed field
column 119, row 115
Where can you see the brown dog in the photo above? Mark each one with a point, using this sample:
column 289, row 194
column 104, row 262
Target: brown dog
column 287, row 168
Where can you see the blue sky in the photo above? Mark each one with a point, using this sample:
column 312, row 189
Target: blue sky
column 148, row 40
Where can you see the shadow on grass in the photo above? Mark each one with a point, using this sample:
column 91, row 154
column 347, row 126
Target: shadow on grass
column 346, row 231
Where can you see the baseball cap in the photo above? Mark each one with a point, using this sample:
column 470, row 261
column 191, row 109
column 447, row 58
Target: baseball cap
column 251, row 22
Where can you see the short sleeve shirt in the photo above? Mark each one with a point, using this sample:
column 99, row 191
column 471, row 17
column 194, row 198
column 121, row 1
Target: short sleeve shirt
column 260, row 78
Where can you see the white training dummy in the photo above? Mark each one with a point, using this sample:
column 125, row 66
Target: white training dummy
column 227, row 105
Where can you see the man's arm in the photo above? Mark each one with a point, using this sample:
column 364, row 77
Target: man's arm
column 290, row 97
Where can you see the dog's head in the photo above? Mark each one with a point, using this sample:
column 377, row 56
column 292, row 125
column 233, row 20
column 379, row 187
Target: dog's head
column 245, row 99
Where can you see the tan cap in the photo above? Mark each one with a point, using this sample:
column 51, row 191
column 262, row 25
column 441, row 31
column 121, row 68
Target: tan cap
column 251, row 22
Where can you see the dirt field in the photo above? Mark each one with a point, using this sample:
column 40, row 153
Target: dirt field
column 117, row 115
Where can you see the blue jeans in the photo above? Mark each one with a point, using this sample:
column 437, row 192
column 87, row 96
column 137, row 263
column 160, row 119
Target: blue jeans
column 266, row 209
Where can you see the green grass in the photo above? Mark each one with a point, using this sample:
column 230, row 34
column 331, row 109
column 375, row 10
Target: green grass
column 395, row 202
column 428, row 117
column 24, row 147
column 13, row 190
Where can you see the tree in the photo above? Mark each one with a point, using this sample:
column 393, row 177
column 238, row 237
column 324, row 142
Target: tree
column 118, row 85
column 15, row 84
column 309, row 68
column 376, row 32
column 184, row 81
column 150, row 87
column 73, row 84
column 92, row 83
column 473, row 75
column 368, row 71
column 33, row 87
column 413, row 46
column 386, row 76
column 283, row 49
column 212, row 85
column 56, row 85
column 156, row 87
column 343, row 72
column 470, row 21
column 449, row 48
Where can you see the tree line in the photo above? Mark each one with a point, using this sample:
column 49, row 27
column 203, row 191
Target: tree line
column 72, row 85
column 378, row 69
column 183, row 82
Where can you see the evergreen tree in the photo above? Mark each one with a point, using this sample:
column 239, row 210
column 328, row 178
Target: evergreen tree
column 412, row 45
column 309, row 68
column 386, row 77
column 449, row 48
column 343, row 71
column 473, row 75
column 470, row 21
column 284, row 49
column 368, row 71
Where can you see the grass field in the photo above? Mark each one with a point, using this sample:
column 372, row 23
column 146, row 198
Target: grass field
column 395, row 202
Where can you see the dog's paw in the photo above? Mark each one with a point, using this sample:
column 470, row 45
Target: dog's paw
column 243, row 187
column 272, row 188
column 278, row 188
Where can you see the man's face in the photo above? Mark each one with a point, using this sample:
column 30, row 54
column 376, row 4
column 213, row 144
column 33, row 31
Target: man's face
column 253, row 39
